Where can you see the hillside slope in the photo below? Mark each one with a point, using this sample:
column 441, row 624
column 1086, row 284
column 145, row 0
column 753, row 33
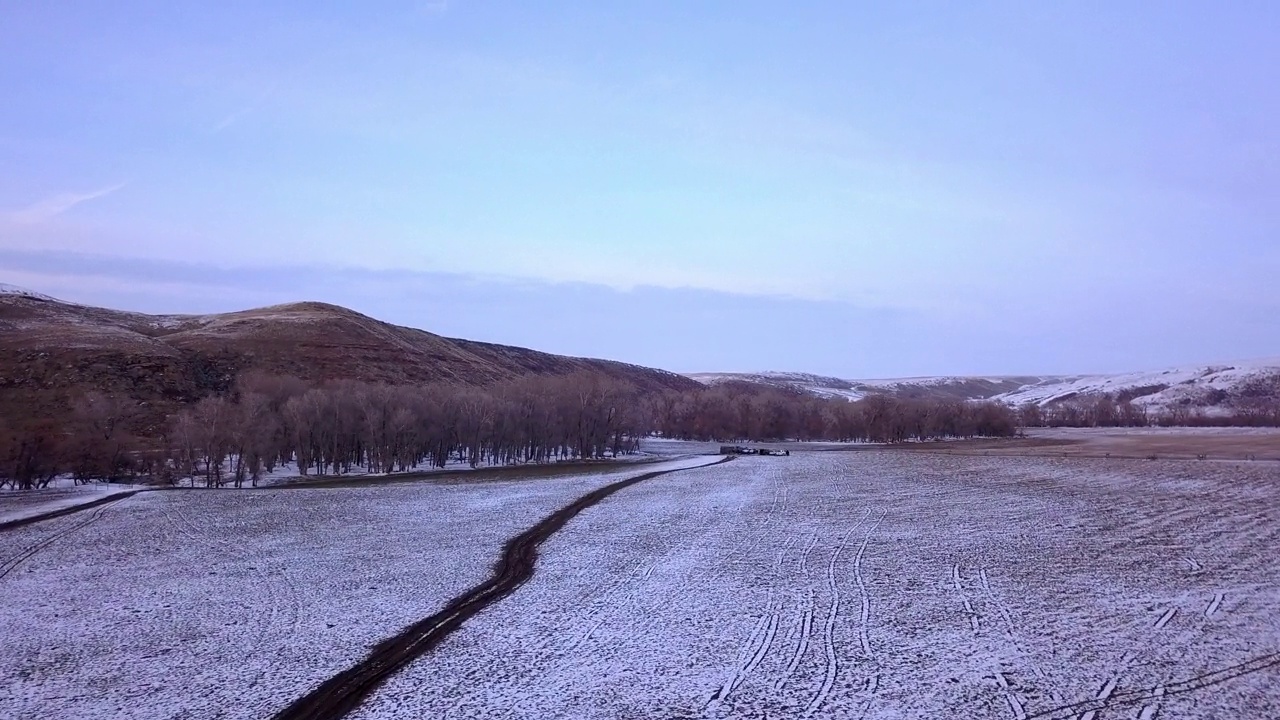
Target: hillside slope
column 962, row 388
column 50, row 351
column 1212, row 389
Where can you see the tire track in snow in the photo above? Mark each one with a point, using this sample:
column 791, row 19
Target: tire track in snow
column 864, row 630
column 1015, row 703
column 597, row 601
column 1214, row 605
column 1011, row 632
column 62, row 512
column 828, row 633
column 284, row 609
column 1130, row 698
column 806, row 619
column 1152, row 707
column 1104, row 694
column 779, row 502
column 1126, row 661
column 12, row 563
column 833, row 613
column 749, row 656
column 750, row 659
column 964, row 598
column 1166, row 618
column 1148, row 712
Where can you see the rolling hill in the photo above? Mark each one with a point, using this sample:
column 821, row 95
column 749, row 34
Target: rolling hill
column 1212, row 389
column 50, row 351
column 963, row 388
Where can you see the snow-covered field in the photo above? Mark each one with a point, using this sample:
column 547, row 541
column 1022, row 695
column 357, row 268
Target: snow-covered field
column 21, row 504
column 229, row 603
column 871, row 584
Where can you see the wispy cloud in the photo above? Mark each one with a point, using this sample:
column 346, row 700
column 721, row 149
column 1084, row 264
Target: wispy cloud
column 435, row 7
column 52, row 207
column 230, row 120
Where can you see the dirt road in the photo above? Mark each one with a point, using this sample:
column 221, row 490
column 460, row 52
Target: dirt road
column 339, row 695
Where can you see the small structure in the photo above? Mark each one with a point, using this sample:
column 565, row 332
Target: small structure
column 743, row 450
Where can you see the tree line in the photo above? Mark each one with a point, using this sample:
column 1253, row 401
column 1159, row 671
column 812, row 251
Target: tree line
column 746, row 411
column 337, row 427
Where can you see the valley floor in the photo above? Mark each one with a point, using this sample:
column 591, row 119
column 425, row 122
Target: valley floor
column 1227, row 444
column 876, row 584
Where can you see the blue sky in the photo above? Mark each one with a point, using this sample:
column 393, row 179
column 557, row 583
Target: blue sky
column 935, row 188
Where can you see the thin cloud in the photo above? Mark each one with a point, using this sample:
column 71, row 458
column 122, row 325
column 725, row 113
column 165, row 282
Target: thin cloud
column 52, row 207
column 230, row 120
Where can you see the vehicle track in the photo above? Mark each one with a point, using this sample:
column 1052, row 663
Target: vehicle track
column 1130, row 698
column 1152, row 706
column 761, row 640
column 339, row 695
column 1015, row 703
column 806, row 619
column 597, row 602
column 833, row 613
column 15, row 524
column 864, row 628
column 283, row 610
column 974, row 623
column 1011, row 632
column 12, row 563
column 750, row 657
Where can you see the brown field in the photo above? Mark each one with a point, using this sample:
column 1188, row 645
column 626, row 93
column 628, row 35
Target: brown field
column 1140, row 443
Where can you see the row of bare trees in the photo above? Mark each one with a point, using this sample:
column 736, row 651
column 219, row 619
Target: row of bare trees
column 1107, row 411
column 338, row 427
column 93, row 442
column 740, row 411
column 344, row 426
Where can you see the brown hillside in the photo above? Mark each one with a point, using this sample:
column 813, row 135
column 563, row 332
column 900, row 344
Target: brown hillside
column 51, row 351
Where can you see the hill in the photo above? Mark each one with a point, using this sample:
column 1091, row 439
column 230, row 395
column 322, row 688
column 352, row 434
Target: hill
column 963, row 388
column 51, row 351
column 1214, row 389
column 1211, row 389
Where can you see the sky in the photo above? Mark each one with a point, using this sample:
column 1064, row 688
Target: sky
column 922, row 189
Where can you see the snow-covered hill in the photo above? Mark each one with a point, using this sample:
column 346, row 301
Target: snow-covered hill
column 1204, row 386
column 1209, row 387
column 7, row 289
column 967, row 388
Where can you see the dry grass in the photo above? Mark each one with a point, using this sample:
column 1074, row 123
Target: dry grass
column 1170, row 443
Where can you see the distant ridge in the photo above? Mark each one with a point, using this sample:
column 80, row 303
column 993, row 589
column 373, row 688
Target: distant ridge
column 51, row 351
column 7, row 289
column 1210, row 388
column 964, row 388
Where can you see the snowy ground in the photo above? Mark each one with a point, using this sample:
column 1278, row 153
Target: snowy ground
column 229, row 603
column 871, row 584
column 21, row 504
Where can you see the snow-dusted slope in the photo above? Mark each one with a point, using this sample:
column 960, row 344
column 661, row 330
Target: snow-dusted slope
column 7, row 289
column 1205, row 386
column 967, row 388
column 816, row 384
column 1199, row 386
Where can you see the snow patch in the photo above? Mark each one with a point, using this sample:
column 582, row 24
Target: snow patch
column 7, row 289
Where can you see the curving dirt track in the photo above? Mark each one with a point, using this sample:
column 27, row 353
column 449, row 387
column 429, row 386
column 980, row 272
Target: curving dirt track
column 344, row 692
column 62, row 512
